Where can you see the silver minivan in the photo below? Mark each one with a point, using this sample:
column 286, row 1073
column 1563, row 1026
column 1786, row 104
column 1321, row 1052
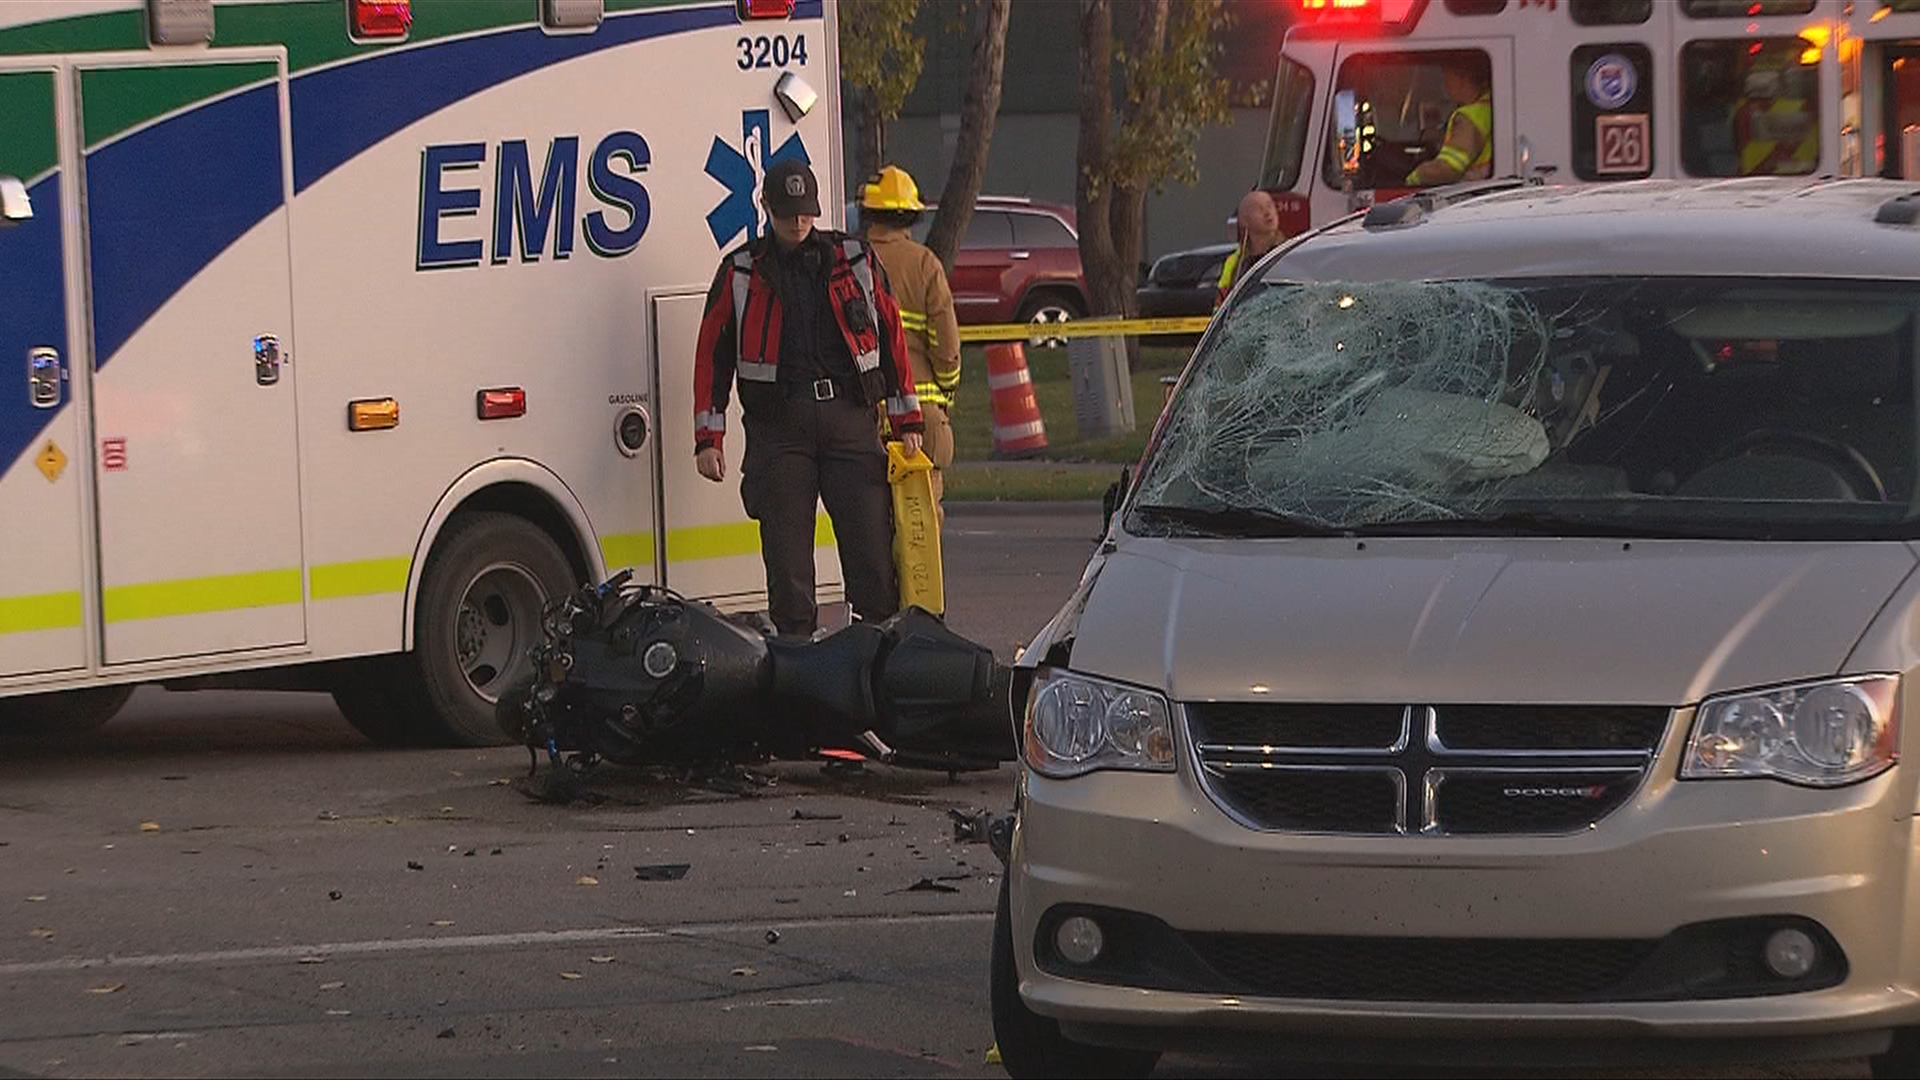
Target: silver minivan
column 1499, row 656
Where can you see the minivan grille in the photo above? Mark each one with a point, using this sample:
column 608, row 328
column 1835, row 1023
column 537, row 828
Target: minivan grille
column 1432, row 770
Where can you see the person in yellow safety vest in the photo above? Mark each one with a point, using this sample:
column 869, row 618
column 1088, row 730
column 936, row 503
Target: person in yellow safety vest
column 889, row 206
column 1259, row 234
column 1467, row 153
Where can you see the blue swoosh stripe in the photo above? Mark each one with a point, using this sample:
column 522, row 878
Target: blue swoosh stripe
column 165, row 201
column 33, row 281
column 339, row 112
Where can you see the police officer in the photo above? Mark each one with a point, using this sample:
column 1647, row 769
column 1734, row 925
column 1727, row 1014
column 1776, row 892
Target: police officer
column 802, row 319
column 889, row 207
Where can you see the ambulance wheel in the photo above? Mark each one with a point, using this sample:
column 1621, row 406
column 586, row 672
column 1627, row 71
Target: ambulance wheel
column 1031, row 1044
column 482, row 596
column 66, row 712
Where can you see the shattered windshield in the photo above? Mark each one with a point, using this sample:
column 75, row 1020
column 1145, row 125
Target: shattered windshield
column 1747, row 408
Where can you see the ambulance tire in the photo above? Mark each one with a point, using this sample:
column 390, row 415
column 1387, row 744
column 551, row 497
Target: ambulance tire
column 479, row 610
column 1031, row 1044
column 63, row 713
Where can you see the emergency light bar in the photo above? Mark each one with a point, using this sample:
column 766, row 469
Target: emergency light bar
column 764, row 9
column 1319, row 18
column 379, row 19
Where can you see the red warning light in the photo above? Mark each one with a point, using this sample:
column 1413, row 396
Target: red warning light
column 764, row 9
column 382, row 18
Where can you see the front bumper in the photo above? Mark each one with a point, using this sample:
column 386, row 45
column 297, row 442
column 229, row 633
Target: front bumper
column 1677, row 854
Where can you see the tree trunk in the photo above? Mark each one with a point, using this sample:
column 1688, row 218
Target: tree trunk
column 977, row 116
column 870, row 136
column 1108, row 289
column 1128, row 212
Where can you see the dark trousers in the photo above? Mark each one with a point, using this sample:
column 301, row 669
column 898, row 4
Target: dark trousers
column 807, row 450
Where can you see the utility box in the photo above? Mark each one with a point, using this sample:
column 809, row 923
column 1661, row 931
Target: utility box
column 1102, row 386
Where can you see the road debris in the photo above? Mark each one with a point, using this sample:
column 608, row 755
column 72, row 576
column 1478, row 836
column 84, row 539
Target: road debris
column 443, row 922
column 412, row 865
column 41, row 932
column 149, row 826
column 311, row 960
column 586, row 879
column 773, row 937
column 814, row 815
column 970, row 827
column 570, row 975
column 927, row 885
column 599, row 959
column 662, row 871
column 445, row 1033
column 339, row 1012
column 332, row 985
column 745, row 971
column 36, row 899
column 107, row 988
column 328, row 815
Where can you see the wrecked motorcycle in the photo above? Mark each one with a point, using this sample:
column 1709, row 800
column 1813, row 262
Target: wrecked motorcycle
column 639, row 674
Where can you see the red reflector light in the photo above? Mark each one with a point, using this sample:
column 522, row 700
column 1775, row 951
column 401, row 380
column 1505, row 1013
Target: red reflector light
column 764, row 9
column 382, row 18
column 501, row 404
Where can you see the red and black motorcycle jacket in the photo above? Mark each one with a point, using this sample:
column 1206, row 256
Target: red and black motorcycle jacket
column 740, row 335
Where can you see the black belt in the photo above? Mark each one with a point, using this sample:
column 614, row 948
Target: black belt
column 822, row 389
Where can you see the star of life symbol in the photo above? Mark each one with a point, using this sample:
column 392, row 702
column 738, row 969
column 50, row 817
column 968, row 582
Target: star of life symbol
column 741, row 170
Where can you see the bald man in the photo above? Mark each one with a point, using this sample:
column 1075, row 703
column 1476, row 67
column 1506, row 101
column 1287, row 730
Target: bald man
column 1259, row 234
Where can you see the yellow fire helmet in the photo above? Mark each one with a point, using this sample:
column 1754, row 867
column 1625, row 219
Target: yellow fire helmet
column 893, row 189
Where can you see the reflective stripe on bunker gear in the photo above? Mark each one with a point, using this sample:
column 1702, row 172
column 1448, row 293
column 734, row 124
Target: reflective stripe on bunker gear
column 1479, row 113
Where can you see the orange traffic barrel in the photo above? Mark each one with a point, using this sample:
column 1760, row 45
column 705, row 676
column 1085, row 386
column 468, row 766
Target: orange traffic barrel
column 1017, row 428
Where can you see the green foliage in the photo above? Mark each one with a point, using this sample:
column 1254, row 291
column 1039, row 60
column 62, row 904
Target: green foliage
column 1170, row 94
column 880, row 51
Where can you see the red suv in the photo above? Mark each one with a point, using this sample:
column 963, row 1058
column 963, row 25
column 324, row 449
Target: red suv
column 1018, row 262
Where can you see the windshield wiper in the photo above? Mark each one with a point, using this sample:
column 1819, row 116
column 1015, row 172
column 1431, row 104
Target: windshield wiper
column 1232, row 521
column 1510, row 523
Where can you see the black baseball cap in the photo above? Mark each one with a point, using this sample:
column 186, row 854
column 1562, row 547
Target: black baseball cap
column 791, row 190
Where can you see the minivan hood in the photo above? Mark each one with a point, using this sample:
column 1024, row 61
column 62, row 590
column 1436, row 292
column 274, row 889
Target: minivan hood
column 1446, row 620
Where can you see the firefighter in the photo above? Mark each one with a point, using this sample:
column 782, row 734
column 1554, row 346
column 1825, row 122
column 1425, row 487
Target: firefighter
column 1259, row 233
column 889, row 206
column 803, row 320
column 1467, row 153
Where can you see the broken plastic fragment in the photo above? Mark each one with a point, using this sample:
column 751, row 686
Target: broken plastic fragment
column 107, row 988
column 586, row 879
column 662, row 872
column 570, row 975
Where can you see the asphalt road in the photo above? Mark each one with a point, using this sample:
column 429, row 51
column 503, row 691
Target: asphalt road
column 226, row 884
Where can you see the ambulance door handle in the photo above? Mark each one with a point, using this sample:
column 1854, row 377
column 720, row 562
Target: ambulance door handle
column 46, row 378
column 266, row 360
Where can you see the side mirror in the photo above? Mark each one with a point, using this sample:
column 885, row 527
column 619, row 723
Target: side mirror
column 14, row 203
column 1525, row 154
column 1115, row 495
column 1346, row 132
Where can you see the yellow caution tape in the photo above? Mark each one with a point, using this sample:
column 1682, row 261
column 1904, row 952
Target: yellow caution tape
column 1185, row 324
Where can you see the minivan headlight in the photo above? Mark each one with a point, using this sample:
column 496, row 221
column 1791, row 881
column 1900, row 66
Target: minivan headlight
column 1076, row 724
column 1822, row 734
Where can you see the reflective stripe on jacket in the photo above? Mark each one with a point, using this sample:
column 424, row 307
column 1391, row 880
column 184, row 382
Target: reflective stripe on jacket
column 740, row 334
column 919, row 282
column 1479, row 113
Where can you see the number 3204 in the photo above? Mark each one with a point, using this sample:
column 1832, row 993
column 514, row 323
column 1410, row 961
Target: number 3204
column 770, row 52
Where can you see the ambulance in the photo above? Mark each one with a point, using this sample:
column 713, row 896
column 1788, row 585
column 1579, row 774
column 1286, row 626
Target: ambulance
column 1589, row 91
column 337, row 336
